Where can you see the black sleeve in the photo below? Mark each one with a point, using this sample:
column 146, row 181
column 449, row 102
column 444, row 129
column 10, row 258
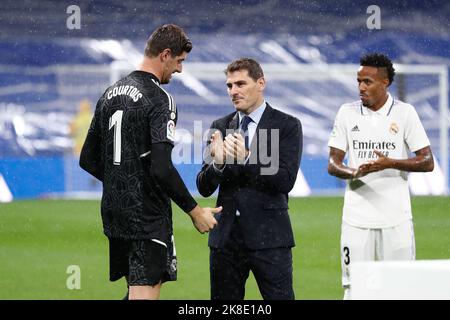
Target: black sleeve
column 90, row 157
column 208, row 179
column 162, row 120
column 167, row 175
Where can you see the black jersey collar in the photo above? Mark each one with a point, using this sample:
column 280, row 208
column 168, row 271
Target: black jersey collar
column 148, row 74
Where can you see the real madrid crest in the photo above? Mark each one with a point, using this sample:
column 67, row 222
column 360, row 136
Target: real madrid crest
column 393, row 129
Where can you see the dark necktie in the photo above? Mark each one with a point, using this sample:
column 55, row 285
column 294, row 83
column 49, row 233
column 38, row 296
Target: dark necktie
column 244, row 126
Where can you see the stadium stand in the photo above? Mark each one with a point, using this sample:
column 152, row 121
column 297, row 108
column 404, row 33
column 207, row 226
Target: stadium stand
column 47, row 69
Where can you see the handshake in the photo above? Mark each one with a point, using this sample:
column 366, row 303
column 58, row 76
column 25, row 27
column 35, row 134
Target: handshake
column 230, row 150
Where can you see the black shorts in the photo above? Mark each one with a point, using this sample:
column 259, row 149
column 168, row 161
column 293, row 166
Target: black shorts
column 144, row 262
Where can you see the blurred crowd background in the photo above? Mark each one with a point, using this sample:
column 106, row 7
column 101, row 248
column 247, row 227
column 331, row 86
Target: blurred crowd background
column 58, row 57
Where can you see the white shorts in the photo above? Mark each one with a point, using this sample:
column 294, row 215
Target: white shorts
column 359, row 244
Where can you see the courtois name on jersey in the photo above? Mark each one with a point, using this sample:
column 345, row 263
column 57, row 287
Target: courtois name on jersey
column 130, row 91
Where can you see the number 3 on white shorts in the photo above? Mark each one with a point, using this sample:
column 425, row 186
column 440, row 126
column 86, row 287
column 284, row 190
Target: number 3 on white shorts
column 346, row 252
column 116, row 122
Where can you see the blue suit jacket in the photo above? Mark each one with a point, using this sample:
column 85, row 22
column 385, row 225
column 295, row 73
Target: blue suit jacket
column 262, row 200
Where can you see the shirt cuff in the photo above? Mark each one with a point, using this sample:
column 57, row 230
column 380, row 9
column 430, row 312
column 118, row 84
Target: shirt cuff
column 217, row 169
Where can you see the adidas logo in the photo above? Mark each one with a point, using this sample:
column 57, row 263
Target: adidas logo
column 355, row 129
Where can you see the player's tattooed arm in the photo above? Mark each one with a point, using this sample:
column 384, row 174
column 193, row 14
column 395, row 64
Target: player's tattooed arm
column 337, row 168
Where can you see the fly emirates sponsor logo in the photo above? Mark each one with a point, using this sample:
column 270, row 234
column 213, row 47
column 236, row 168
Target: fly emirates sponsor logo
column 365, row 149
column 130, row 91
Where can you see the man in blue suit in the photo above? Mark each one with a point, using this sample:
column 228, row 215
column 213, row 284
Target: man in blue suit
column 255, row 167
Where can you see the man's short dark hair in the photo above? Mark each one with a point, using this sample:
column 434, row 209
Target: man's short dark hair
column 168, row 36
column 379, row 61
column 252, row 66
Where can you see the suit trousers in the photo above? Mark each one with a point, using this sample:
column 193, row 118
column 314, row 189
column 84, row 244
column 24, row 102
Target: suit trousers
column 230, row 267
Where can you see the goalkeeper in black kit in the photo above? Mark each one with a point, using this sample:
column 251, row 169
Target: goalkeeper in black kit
column 128, row 148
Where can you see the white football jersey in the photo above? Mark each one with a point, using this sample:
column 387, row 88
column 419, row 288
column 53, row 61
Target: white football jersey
column 380, row 199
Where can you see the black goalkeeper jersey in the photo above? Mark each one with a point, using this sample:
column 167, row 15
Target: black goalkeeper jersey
column 132, row 114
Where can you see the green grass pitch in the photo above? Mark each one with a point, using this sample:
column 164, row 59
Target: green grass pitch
column 40, row 239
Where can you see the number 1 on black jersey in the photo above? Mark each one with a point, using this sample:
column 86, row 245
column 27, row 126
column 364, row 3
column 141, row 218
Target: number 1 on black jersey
column 116, row 122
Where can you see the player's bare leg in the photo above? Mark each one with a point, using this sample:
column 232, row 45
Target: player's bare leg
column 145, row 292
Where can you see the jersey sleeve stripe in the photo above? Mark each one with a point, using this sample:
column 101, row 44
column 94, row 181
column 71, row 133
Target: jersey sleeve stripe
column 159, row 242
column 171, row 101
column 145, row 154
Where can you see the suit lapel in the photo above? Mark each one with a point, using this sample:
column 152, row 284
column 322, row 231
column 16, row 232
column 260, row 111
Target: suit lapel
column 264, row 123
column 234, row 123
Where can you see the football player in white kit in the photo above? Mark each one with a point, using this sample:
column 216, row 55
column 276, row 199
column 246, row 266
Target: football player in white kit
column 377, row 133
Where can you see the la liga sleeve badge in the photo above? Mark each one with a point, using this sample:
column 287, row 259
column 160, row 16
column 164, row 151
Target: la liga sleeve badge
column 171, row 130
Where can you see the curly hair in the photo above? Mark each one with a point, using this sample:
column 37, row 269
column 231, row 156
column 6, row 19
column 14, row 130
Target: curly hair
column 379, row 61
